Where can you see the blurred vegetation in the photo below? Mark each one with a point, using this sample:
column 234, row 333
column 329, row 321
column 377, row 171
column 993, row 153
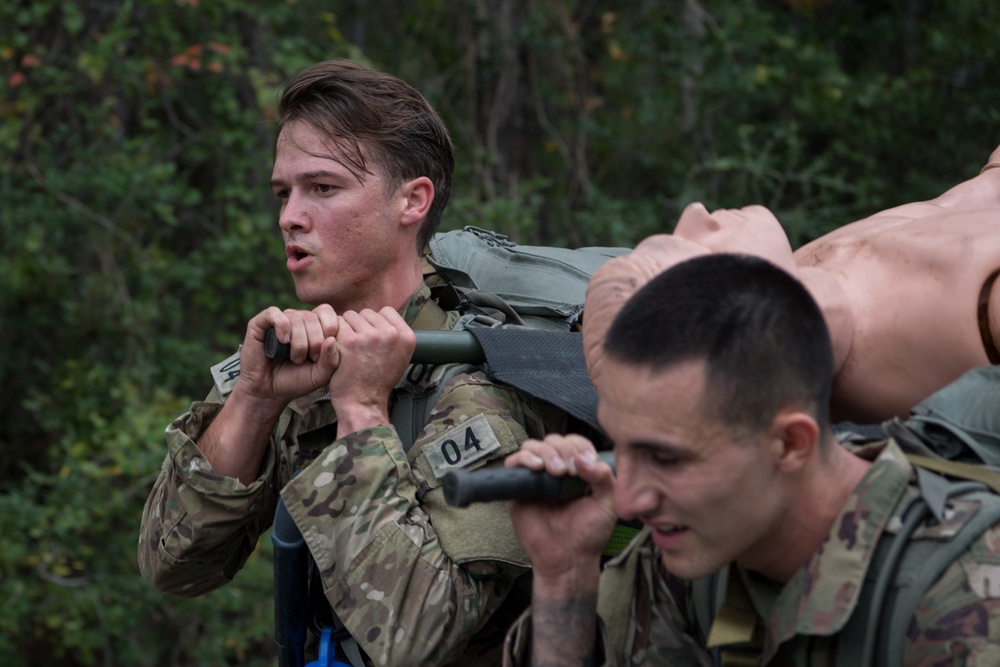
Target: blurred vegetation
column 138, row 232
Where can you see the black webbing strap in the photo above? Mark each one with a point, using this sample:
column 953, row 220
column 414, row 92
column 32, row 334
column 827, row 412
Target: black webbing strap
column 547, row 365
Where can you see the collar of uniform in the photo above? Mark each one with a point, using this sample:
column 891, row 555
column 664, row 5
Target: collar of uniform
column 822, row 595
column 422, row 312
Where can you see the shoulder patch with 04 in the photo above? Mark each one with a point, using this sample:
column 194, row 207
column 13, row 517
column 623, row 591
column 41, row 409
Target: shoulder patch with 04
column 461, row 446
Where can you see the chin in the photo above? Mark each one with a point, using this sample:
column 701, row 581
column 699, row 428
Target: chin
column 309, row 295
column 686, row 569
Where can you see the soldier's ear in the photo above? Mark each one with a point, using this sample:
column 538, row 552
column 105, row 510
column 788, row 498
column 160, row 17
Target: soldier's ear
column 416, row 197
column 797, row 440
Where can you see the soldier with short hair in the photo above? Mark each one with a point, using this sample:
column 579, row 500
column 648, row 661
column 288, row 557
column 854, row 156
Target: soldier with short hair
column 362, row 168
column 714, row 383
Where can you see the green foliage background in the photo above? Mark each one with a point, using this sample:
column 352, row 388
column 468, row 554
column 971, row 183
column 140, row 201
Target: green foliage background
column 138, row 234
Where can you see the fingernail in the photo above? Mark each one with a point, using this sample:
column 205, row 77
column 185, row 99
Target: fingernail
column 558, row 464
column 588, row 459
column 572, row 464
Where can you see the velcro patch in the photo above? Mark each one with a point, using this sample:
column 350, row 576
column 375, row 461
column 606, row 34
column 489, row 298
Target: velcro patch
column 461, row 446
column 226, row 372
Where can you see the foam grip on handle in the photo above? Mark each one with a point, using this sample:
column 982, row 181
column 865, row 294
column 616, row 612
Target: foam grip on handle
column 464, row 487
column 274, row 349
column 433, row 347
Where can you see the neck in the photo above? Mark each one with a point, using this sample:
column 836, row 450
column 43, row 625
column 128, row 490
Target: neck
column 400, row 285
column 816, row 500
column 395, row 286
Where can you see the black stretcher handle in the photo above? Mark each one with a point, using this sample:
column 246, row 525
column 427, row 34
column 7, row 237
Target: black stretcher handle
column 464, row 487
column 433, row 347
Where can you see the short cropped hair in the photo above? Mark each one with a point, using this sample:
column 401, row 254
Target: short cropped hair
column 374, row 115
column 761, row 334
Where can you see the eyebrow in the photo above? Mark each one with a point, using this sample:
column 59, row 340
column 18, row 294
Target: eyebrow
column 307, row 176
column 661, row 447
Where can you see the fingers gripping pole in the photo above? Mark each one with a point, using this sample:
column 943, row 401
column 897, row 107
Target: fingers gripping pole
column 433, row 347
column 464, row 487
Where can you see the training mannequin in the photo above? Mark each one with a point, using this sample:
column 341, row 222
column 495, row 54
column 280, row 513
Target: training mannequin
column 908, row 293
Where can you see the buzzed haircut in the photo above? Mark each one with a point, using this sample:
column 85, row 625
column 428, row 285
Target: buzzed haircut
column 764, row 339
column 371, row 115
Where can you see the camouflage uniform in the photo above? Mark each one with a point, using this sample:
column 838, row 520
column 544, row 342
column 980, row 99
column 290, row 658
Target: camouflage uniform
column 413, row 579
column 648, row 617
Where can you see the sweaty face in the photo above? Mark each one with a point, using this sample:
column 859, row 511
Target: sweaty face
column 341, row 235
column 710, row 496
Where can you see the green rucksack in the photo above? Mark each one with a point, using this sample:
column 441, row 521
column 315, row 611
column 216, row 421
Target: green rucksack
column 535, row 286
column 497, row 283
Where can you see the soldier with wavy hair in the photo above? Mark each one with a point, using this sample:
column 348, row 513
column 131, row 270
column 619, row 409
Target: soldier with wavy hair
column 362, row 168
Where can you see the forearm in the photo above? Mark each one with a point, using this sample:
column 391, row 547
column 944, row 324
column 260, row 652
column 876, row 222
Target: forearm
column 235, row 442
column 357, row 417
column 564, row 618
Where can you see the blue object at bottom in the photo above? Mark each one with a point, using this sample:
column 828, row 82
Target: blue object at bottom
column 327, row 652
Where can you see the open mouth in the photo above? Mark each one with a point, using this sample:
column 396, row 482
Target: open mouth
column 298, row 259
column 669, row 536
column 671, row 529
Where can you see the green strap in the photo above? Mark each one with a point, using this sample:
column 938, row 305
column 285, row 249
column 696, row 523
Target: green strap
column 976, row 473
column 620, row 538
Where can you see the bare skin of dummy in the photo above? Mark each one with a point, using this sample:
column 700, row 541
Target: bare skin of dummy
column 908, row 293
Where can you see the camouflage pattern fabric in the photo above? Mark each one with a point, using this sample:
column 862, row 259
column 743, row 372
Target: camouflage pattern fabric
column 415, row 581
column 956, row 623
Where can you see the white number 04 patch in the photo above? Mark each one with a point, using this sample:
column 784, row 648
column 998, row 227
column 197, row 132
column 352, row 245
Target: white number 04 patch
column 461, row 446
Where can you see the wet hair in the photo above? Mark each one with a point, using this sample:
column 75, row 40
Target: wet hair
column 761, row 334
column 376, row 117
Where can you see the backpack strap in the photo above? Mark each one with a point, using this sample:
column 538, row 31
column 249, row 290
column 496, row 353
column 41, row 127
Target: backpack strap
column 900, row 574
column 897, row 615
column 412, row 406
column 978, row 473
column 481, row 302
column 855, row 642
column 411, row 409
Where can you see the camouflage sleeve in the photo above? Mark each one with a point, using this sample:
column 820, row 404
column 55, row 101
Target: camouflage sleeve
column 412, row 578
column 198, row 527
column 958, row 621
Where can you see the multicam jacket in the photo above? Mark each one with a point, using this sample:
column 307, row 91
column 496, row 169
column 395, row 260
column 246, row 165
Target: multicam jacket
column 649, row 617
column 415, row 580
